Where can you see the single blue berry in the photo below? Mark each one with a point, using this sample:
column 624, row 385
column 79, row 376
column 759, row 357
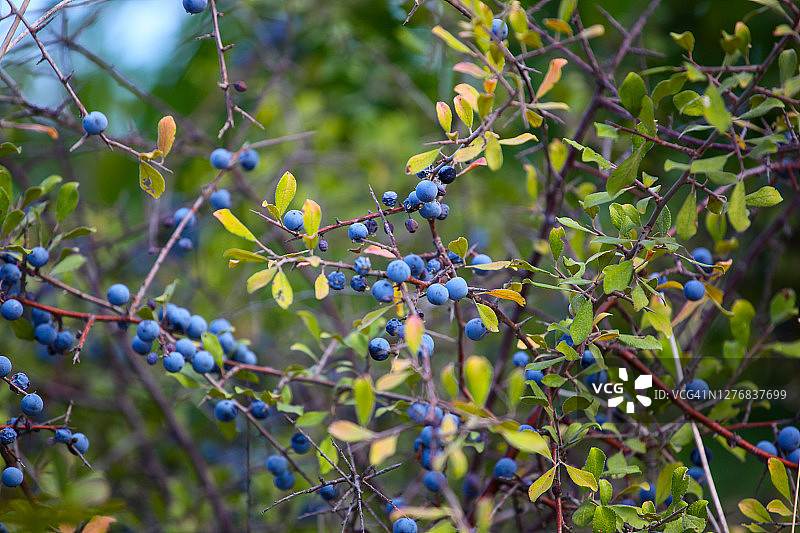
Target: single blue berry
column 698, row 474
column 499, row 29
column 197, row 326
column 446, row 174
column 249, row 159
column 64, row 341
column 383, row 291
column 425, row 346
column 415, row 263
column 186, row 348
column 430, row 209
column 45, row 334
column 277, row 464
column 438, row 294
column 697, row 390
column 766, row 446
column 520, row 358
column 141, row 347
column 244, row 354
column 11, row 309
column 195, row 6
column 220, row 158
column 394, row 504
column 32, row 404
column 10, row 274
column 647, row 495
column 587, row 359
column 293, row 220
column 434, row 481
column 38, row 257
column 20, row 381
column 404, row 525
column 118, row 294
column 40, row 316
column 284, row 481
column 5, row 366
column 389, row 198
column 567, row 339
column 506, row 468
column 392, row 325
column 362, row 265
column 481, row 259
column 476, row 329
column 80, row 442
column 534, row 375
column 95, row 123
column 412, row 202
column 174, row 362
column 329, row 492
column 433, row 266
column 427, row 191
column 259, row 409
column 695, row 456
column 8, row 435
column 358, row 283
column 203, row 362
column 694, row 290
column 225, row 410
column 525, row 427
column 148, row 330
column 357, row 232
column 398, row 271
column 379, row 348
column 300, row 443
column 152, row 358
column 794, row 457
column 182, row 213
column 789, row 439
column 12, row 477
column 227, row 342
column 703, row 256
column 336, row 280
column 63, row 435
column 456, row 288
column 218, row 325
column 445, row 211
column 220, row 199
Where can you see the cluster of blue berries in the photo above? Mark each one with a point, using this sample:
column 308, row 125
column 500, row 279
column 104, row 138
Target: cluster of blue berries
column 278, row 466
column 222, row 159
column 788, row 442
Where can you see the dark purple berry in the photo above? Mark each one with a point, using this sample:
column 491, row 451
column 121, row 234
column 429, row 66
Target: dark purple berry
column 411, row 225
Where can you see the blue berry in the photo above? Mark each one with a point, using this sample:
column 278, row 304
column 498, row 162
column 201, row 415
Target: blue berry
column 227, row 342
column 174, row 362
column 471, row 487
column 277, row 464
column 220, row 158
column 11, row 309
column 431, row 209
column 203, row 362
column 391, row 328
column 197, row 326
column 427, row 191
column 141, row 347
column 218, row 325
column 445, row 211
column 118, row 294
column 587, row 359
column 225, row 410
column 499, row 29
column 520, row 358
column 5, row 366
column 32, row 404
column 63, row 435
column 244, row 354
column 412, row 203
column 220, row 199
column 8, row 435
column 475, row 329
column 567, row 339
column 12, row 477
column 293, row 220
column 80, row 442
column 329, row 492
column 695, row 456
column 95, row 123
column 434, row 481
column 186, row 348
column 195, row 6
column 697, row 390
column 425, row 346
column 456, row 288
column 358, row 283
column 182, row 213
column 357, row 232
column 433, row 266
column 417, row 412
column 300, row 443
column 259, row 409
column 647, row 495
column 703, row 256
column 362, row 265
column 694, row 290
column 789, row 439
column 395, row 503
column 428, row 437
column 437, row 294
column 534, row 375
column 506, row 468
column 794, row 457
column 45, row 334
column 152, row 358
column 766, row 446
column 64, row 341
column 379, row 348
column 525, row 427
column 481, row 259
column 697, row 474
column 10, row 274
column 249, row 159
column 336, row 280
column 404, row 525
column 185, row 244
column 284, row 481
column 39, row 316
column 20, row 381
column 38, row 257
column 147, row 330
column 389, row 198
column 398, row 271
column 446, row 174
column 383, row 291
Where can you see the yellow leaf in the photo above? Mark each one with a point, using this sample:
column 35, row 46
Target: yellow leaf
column 421, row 161
column 463, row 110
column 233, row 225
column 519, row 139
column 507, row 294
column 382, row 449
column 558, row 25
column 414, row 330
column 444, row 115
column 448, row 38
column 471, row 69
column 478, row 377
column 321, row 287
column 150, row 180
column 349, row 432
column 391, row 380
column 494, row 153
column 282, row 290
column 284, row 193
column 487, row 316
column 166, row 134
column 470, row 152
column 469, row 93
column 260, row 279
column 552, row 76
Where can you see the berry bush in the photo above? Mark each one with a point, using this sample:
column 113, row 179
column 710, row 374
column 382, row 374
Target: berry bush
column 448, row 266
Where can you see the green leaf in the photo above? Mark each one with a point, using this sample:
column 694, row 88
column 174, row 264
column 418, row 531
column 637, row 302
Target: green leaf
column 244, row 256
column 260, row 279
column 311, row 419
column 583, row 515
column 787, row 62
column 527, row 441
column 7, row 149
column 685, row 40
column 680, row 483
column 715, row 111
column 605, row 520
column 754, row 510
column 668, row 87
column 150, row 180
column 663, row 222
column 67, row 200
column 777, row 473
column 68, row 264
column 595, row 462
column 365, row 399
column 688, row 103
column 566, row 8
column 625, row 173
column 284, row 193
column 327, row 448
column 12, row 221
column 710, row 164
column 80, row 231
column 488, row 316
column 589, row 155
column 582, row 323
column 459, row 246
column 763, row 197
column 282, row 290
column 312, row 216
column 421, row 161
column 686, row 222
column 542, row 485
column 414, row 329
column 605, row 490
column 743, row 314
column 463, row 110
column 782, row 306
column 494, row 152
column 618, row 277
column 575, row 403
column 212, row 346
column 737, row 212
column 478, row 375
column 233, row 225
column 631, row 93
column 763, row 108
